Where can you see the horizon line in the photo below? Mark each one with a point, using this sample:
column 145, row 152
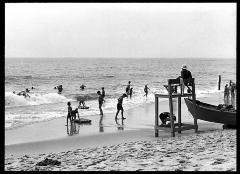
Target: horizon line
column 126, row 57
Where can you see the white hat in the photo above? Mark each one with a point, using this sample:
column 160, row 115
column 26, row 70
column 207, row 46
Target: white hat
column 184, row 66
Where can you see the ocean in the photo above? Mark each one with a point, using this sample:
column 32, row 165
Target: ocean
column 111, row 73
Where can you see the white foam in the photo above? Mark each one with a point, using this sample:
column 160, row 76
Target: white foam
column 35, row 99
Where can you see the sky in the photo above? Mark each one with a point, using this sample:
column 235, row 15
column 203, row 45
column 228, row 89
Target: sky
column 130, row 30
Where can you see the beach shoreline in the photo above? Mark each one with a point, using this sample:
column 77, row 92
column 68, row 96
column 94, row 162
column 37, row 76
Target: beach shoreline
column 137, row 118
column 136, row 131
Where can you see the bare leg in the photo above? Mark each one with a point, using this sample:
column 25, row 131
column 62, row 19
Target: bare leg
column 122, row 114
column 116, row 114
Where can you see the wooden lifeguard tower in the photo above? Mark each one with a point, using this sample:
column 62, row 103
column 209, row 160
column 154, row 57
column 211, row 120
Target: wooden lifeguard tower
column 175, row 127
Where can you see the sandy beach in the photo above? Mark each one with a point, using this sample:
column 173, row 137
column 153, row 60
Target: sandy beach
column 122, row 146
column 205, row 151
column 94, row 60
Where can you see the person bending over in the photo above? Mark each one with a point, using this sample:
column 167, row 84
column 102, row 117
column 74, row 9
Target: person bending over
column 119, row 106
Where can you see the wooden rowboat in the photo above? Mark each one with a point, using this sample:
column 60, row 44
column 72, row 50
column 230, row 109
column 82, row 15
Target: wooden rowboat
column 211, row 113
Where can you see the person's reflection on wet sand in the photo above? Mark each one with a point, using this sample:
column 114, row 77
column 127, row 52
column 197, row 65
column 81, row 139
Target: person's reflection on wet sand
column 101, row 129
column 119, row 126
column 72, row 128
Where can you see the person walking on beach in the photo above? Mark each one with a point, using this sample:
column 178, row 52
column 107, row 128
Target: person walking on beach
column 103, row 94
column 100, row 102
column 146, row 90
column 226, row 95
column 130, row 93
column 119, row 106
column 128, row 88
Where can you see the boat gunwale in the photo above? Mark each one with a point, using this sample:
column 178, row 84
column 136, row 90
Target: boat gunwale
column 205, row 106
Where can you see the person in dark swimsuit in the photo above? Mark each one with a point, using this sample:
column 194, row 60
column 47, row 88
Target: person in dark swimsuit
column 128, row 88
column 165, row 116
column 100, row 102
column 103, row 94
column 59, row 88
column 146, row 90
column 82, row 87
column 81, row 102
column 185, row 74
column 119, row 106
column 23, row 93
column 130, row 93
column 71, row 113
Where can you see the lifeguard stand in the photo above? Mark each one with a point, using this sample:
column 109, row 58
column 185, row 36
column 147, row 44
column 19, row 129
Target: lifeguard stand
column 175, row 127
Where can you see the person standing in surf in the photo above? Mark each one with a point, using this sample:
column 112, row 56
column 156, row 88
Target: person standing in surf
column 232, row 87
column 103, row 93
column 146, row 90
column 82, row 87
column 226, row 95
column 128, row 88
column 72, row 113
column 131, row 92
column 119, row 106
column 59, row 88
column 100, row 102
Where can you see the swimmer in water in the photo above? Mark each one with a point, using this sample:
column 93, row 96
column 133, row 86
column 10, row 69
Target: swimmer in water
column 82, row 87
column 23, row 93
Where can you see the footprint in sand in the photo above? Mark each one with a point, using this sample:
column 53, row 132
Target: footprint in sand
column 218, row 161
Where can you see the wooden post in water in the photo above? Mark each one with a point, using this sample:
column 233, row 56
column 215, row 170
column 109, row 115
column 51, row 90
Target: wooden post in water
column 219, row 82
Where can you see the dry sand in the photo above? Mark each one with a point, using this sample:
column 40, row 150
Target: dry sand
column 205, row 151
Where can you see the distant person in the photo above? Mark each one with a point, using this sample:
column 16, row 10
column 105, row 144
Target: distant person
column 185, row 74
column 100, row 102
column 232, row 89
column 33, row 87
column 131, row 92
column 146, row 90
column 23, row 93
column 27, row 90
column 59, row 88
column 103, row 93
column 128, row 88
column 71, row 113
column 226, row 94
column 119, row 105
column 81, row 102
column 82, row 87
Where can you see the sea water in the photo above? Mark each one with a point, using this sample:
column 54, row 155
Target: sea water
column 111, row 73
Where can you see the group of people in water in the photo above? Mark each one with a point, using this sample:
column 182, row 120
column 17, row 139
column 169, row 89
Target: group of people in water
column 229, row 93
column 101, row 95
column 185, row 74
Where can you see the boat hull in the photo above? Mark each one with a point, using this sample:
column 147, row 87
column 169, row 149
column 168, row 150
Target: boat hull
column 207, row 112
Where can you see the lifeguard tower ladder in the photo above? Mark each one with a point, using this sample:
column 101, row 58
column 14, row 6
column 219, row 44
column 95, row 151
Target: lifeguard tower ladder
column 175, row 127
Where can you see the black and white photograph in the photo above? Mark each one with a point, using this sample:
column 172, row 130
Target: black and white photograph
column 120, row 86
